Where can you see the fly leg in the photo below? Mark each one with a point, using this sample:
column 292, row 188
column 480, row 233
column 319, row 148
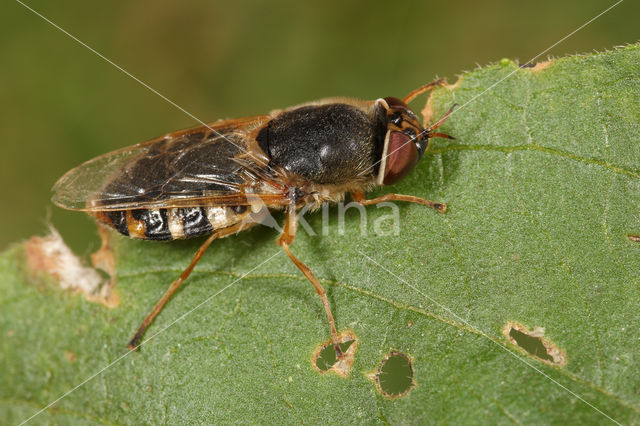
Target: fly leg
column 286, row 239
column 359, row 197
column 135, row 341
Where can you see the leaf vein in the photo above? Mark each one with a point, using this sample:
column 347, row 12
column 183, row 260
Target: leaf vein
column 534, row 147
column 571, row 275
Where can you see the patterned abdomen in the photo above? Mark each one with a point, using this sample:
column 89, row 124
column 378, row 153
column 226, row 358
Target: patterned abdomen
column 172, row 223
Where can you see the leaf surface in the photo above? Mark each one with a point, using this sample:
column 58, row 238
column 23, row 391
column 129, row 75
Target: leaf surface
column 543, row 187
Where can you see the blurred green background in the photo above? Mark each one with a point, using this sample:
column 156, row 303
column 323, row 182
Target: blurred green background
column 61, row 104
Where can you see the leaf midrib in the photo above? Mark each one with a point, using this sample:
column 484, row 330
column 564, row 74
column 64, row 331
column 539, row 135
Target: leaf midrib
column 398, row 305
column 539, row 148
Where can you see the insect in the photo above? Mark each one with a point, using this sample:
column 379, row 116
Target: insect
column 212, row 179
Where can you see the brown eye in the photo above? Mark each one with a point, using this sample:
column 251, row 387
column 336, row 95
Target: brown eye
column 402, row 156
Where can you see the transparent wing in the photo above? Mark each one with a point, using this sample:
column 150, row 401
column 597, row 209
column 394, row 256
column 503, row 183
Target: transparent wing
column 187, row 168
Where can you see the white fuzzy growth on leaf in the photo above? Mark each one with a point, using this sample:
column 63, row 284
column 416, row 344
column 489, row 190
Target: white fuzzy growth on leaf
column 50, row 254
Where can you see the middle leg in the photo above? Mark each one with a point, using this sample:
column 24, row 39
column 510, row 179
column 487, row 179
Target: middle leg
column 285, row 240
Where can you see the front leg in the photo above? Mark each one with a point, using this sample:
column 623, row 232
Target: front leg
column 359, row 197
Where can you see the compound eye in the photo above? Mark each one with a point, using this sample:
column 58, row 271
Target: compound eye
column 402, row 157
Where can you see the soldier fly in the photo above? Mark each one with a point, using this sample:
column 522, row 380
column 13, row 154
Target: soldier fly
column 209, row 179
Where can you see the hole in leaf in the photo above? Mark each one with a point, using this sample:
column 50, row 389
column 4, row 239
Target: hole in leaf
column 395, row 375
column 634, row 238
column 534, row 343
column 327, row 357
column 324, row 357
column 531, row 344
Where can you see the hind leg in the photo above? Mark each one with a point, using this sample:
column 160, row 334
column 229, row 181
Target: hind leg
column 135, row 341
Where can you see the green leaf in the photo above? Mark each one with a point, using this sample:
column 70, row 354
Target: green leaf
column 543, row 189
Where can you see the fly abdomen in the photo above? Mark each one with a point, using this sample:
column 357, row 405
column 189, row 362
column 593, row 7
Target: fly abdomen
column 149, row 224
column 189, row 222
column 172, row 223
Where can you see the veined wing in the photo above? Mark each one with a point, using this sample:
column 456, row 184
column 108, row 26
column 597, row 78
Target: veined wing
column 187, row 168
